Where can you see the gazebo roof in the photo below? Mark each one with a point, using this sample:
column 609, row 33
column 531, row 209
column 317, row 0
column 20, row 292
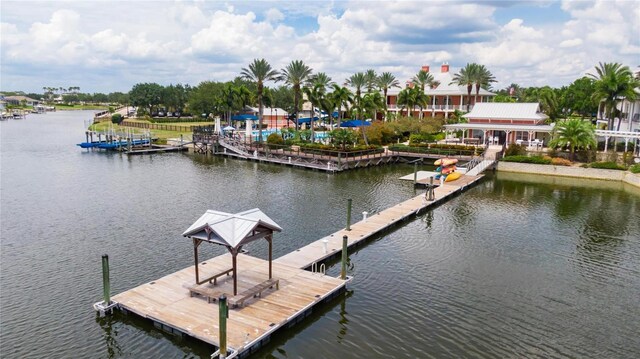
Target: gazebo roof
column 231, row 230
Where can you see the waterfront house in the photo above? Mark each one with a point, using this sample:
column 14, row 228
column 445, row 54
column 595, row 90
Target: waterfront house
column 20, row 100
column 505, row 123
column 445, row 98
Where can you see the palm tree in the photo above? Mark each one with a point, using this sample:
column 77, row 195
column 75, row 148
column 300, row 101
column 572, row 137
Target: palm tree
column 358, row 81
column 371, row 79
column 372, row 102
column 260, row 71
column 423, row 79
column 323, row 80
column 294, row 75
column 406, row 99
column 483, row 77
column 420, row 99
column 466, row 77
column 341, row 96
column 613, row 83
column 385, row 82
column 315, row 94
column 574, row 133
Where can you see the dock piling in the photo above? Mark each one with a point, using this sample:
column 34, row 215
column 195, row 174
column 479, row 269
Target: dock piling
column 223, row 315
column 415, row 173
column 431, row 191
column 343, row 270
column 106, row 285
column 364, row 216
column 349, row 203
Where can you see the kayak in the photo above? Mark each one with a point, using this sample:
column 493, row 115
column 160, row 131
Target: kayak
column 453, row 176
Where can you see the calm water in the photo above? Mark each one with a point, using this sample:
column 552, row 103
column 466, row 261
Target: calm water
column 518, row 266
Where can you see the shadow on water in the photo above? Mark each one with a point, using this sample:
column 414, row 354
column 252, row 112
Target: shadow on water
column 118, row 345
column 283, row 336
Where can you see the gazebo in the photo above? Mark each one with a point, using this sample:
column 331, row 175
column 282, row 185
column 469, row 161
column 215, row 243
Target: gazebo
column 232, row 231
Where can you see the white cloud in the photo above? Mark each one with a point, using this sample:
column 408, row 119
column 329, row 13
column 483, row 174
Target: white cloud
column 274, row 15
column 195, row 41
column 571, row 43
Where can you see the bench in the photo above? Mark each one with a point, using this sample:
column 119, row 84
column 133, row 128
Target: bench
column 216, row 276
column 206, row 291
column 238, row 300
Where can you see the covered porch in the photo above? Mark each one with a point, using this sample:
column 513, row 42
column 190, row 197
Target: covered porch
column 532, row 136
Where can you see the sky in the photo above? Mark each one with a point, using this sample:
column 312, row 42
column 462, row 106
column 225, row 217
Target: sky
column 108, row 46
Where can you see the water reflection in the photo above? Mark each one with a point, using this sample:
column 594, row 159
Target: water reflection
column 109, row 335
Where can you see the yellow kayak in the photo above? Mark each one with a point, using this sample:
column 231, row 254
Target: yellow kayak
column 446, row 161
column 453, row 176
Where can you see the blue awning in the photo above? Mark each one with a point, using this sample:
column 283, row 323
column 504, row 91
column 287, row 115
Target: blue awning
column 355, row 123
column 244, row 117
column 306, row 119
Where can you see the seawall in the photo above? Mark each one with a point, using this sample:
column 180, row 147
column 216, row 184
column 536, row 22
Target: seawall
column 565, row 171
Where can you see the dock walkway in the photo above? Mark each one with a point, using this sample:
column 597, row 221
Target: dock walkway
column 169, row 304
column 314, row 252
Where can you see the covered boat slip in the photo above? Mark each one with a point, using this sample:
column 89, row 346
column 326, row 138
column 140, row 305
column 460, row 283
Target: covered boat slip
column 167, row 300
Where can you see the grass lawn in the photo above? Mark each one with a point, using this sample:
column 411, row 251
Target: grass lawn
column 63, row 107
column 162, row 135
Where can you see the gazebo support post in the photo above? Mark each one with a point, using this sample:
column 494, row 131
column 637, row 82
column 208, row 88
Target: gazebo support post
column 196, row 243
column 234, row 254
column 269, row 239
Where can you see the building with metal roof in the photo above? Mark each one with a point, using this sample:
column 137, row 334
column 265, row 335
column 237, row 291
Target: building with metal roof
column 500, row 123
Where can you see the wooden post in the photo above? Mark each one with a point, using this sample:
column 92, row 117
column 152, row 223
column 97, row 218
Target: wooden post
column 106, row 285
column 223, row 314
column 270, row 240
column 196, row 243
column 431, row 190
column 234, row 253
column 343, row 271
column 349, row 202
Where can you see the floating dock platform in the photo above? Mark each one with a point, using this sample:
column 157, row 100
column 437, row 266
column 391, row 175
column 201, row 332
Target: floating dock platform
column 169, row 304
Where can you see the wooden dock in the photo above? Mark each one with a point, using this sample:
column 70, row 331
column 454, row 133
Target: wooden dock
column 168, row 303
column 156, row 149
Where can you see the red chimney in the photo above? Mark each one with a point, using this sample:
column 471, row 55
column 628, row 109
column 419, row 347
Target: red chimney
column 425, row 68
column 445, row 67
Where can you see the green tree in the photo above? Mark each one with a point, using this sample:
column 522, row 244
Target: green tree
column 613, row 83
column 342, row 96
column 579, row 95
column 372, row 102
column 358, row 81
column 258, row 72
column 295, row 75
column 371, row 80
column 423, row 79
column 207, row 98
column 385, row 82
column 145, row 95
column 315, row 94
column 342, row 137
column 575, row 134
column 466, row 77
column 482, row 79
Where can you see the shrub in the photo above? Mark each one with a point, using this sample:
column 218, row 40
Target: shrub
column 516, row 150
column 559, row 161
column 635, row 168
column 539, row 160
column 607, row 166
column 275, row 140
column 116, row 118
